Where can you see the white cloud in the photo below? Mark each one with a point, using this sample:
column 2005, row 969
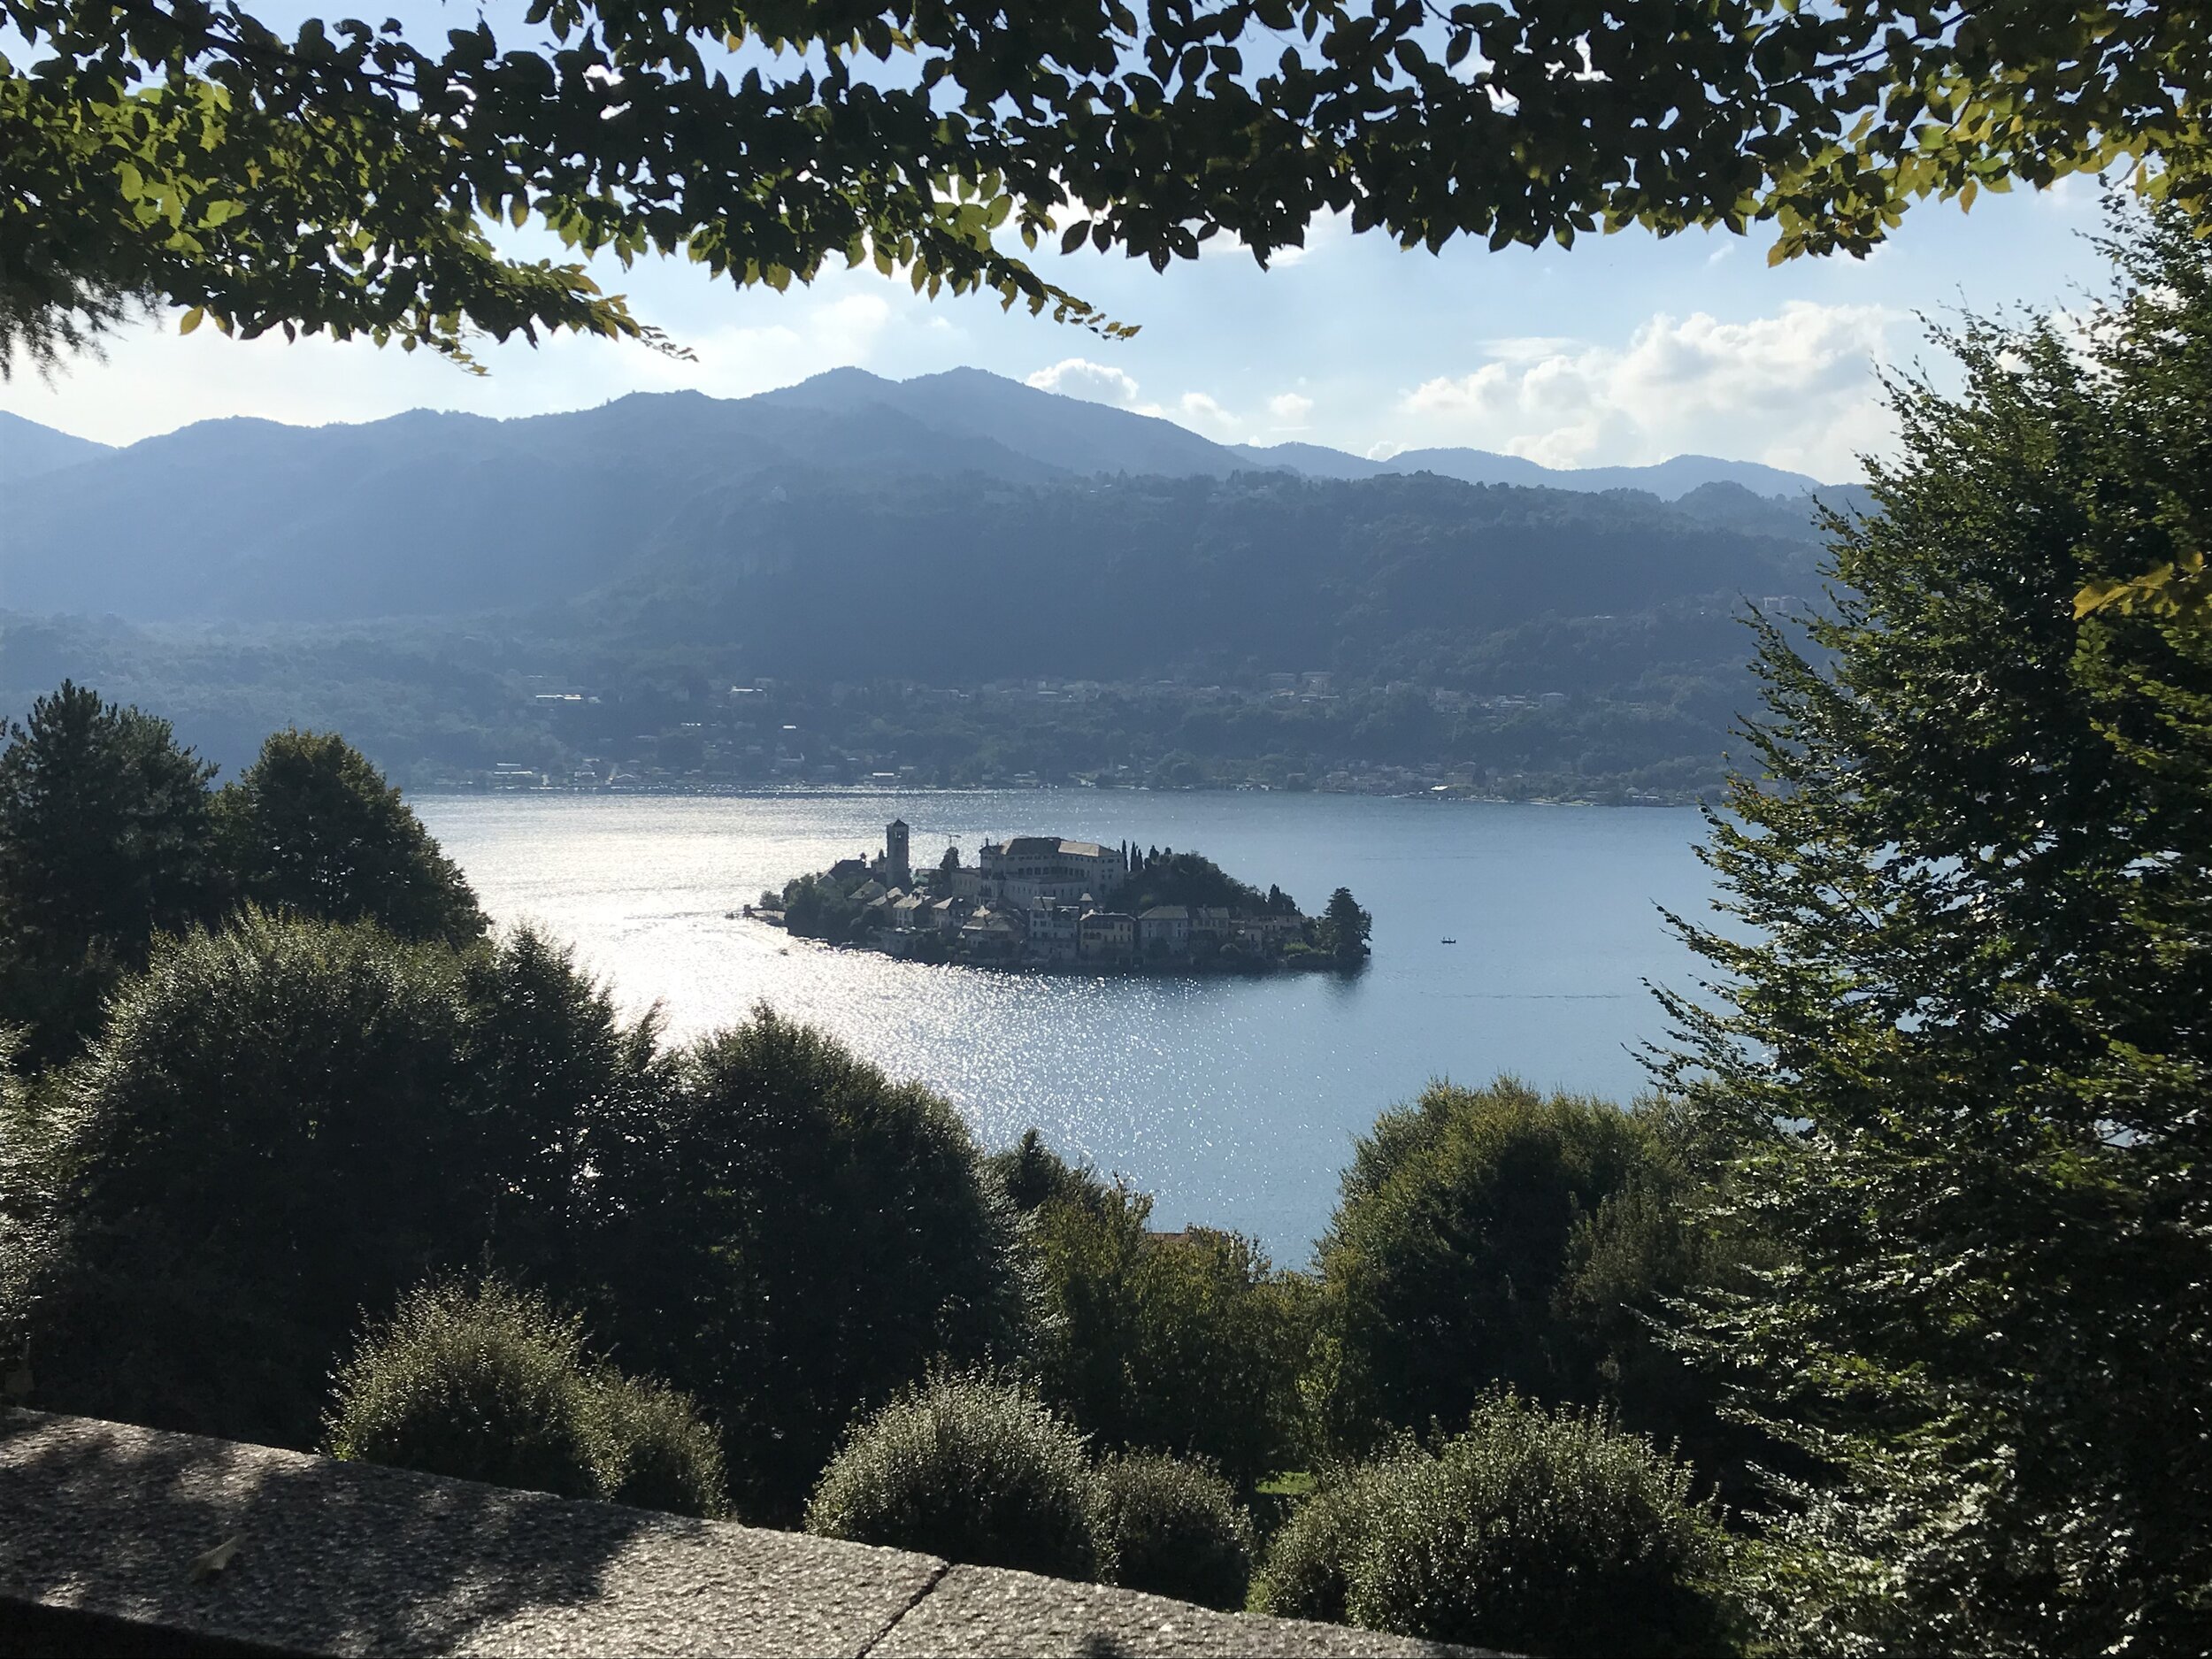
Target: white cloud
column 1199, row 408
column 1102, row 383
column 1094, row 382
column 1793, row 389
column 1290, row 410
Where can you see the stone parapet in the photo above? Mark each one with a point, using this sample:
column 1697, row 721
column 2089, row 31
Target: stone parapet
column 122, row 1539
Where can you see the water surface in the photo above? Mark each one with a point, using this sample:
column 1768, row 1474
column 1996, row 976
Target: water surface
column 1235, row 1101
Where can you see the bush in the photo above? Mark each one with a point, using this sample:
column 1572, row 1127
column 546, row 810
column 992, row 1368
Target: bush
column 971, row 1468
column 1171, row 1528
column 1310, row 1560
column 487, row 1383
column 282, row 1124
column 654, row 1452
column 1547, row 1532
column 481, row 1384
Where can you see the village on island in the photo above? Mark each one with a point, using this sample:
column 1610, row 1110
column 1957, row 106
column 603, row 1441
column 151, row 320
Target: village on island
column 1040, row 901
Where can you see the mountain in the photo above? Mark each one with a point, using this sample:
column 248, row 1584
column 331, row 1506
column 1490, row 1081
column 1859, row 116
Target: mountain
column 439, row 514
column 1068, row 434
column 28, row 450
column 1669, row 481
column 1313, row 459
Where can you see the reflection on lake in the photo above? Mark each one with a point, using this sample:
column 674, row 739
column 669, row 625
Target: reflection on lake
column 1235, row 1101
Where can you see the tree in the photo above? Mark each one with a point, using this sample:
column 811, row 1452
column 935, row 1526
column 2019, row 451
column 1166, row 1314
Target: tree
column 105, row 841
column 1958, row 1040
column 312, row 829
column 1187, row 1343
column 791, row 1237
column 345, row 179
column 1345, row 927
column 1497, row 1236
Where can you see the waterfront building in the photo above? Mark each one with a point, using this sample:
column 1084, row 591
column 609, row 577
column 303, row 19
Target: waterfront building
column 1106, row 936
column 1164, row 929
column 1054, row 929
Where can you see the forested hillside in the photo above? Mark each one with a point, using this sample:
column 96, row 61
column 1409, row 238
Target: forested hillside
column 581, row 593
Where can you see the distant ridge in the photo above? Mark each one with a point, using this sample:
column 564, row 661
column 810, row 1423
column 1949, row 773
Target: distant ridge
column 28, row 450
column 978, row 421
column 438, row 514
column 1670, row 480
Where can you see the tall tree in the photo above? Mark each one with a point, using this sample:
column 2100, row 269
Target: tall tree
column 1345, row 927
column 343, row 178
column 313, row 828
column 106, row 840
column 1961, row 1043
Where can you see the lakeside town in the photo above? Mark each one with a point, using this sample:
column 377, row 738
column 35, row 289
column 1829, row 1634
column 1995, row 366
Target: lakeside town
column 1043, row 901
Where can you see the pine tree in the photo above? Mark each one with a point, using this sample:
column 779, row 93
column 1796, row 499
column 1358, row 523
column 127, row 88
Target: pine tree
column 105, row 841
column 1957, row 1050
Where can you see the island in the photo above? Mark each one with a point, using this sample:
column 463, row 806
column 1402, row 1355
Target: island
column 1039, row 902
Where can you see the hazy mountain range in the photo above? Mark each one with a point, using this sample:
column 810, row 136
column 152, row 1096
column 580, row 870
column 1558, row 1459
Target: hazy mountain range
column 1011, row 430
column 440, row 514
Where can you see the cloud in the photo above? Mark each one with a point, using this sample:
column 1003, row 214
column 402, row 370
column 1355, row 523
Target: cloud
column 1796, row 389
column 1197, row 407
column 1290, row 410
column 1102, row 383
column 1094, row 382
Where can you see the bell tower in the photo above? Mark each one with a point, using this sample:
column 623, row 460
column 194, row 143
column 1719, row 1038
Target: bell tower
column 898, row 872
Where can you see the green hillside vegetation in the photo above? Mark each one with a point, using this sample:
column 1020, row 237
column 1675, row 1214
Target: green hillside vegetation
column 1526, row 642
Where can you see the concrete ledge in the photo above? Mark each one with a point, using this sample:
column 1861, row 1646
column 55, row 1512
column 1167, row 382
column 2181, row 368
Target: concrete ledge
column 106, row 1533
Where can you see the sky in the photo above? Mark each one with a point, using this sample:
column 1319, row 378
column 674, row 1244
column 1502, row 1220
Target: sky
column 1623, row 351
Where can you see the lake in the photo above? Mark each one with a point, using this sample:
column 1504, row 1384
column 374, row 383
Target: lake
column 1235, row 1101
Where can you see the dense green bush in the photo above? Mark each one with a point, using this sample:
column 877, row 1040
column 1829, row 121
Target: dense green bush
column 973, row 1468
column 1188, row 1343
column 280, row 1126
column 482, row 1384
column 1500, row 1237
column 1311, row 1556
column 1542, row 1530
column 1172, row 1528
column 653, row 1449
column 790, row 1237
column 487, row 1383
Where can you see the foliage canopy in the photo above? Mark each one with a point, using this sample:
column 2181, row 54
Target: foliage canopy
column 347, row 178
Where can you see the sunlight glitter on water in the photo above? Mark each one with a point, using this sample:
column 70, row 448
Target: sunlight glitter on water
column 1235, row 1101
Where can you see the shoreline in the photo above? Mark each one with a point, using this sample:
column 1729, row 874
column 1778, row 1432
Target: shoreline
column 896, row 791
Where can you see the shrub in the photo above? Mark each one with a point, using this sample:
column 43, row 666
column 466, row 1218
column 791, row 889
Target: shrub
column 487, row 1383
column 1543, row 1531
column 478, row 1382
column 1310, row 1559
column 1482, row 1242
column 654, row 1452
column 280, row 1126
column 969, row 1467
column 1172, row 1528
